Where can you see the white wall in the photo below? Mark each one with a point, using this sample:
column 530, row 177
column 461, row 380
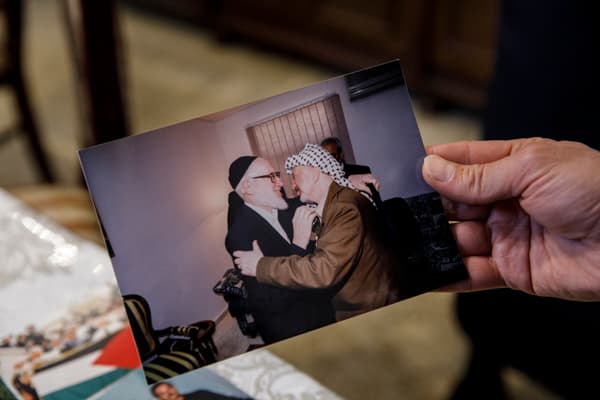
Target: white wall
column 161, row 199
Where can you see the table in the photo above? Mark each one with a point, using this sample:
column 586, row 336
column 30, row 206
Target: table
column 63, row 286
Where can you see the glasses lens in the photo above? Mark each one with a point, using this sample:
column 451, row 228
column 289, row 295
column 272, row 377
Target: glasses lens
column 274, row 176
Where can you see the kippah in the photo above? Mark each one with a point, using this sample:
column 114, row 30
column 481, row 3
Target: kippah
column 238, row 168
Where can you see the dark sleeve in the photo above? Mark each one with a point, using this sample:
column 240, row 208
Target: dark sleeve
column 238, row 238
column 331, row 262
column 356, row 169
column 537, row 69
column 235, row 202
column 299, row 251
column 240, row 242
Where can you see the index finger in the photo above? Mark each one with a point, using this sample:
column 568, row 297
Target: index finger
column 475, row 152
column 370, row 178
column 377, row 185
column 306, row 211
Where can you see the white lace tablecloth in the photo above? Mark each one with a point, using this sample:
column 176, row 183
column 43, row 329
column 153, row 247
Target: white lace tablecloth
column 31, row 244
column 263, row 375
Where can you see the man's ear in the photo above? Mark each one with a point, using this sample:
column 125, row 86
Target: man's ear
column 316, row 174
column 246, row 187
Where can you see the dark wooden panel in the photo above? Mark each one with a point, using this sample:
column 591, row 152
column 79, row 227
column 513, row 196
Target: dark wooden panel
column 447, row 47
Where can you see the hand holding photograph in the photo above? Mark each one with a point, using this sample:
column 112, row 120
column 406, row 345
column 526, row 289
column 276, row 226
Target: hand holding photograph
column 259, row 223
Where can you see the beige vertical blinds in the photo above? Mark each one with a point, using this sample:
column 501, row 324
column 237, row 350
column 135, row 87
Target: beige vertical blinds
column 284, row 134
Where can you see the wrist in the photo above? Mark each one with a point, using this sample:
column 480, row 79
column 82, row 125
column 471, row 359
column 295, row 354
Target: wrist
column 300, row 243
column 256, row 265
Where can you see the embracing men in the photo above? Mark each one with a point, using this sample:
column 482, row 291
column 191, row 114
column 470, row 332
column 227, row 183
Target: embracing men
column 281, row 227
column 349, row 256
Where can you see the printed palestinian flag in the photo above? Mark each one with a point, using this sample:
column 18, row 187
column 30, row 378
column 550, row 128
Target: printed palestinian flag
column 92, row 373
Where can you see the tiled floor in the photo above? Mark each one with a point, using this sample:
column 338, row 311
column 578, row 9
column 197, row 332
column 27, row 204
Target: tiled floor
column 411, row 350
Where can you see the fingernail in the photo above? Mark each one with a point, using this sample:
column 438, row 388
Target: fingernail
column 438, row 168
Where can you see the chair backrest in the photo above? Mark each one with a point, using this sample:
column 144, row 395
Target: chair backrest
column 95, row 41
column 140, row 320
column 12, row 77
column 11, row 34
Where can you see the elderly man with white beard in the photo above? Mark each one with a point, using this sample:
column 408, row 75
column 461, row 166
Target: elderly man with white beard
column 263, row 215
column 349, row 256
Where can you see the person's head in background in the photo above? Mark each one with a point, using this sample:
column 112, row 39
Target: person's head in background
column 333, row 146
column 166, row 391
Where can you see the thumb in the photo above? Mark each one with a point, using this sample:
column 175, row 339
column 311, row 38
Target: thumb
column 473, row 183
column 255, row 245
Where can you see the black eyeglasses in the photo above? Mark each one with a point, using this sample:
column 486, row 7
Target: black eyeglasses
column 273, row 176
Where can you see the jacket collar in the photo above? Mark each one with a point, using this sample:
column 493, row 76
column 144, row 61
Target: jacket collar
column 334, row 189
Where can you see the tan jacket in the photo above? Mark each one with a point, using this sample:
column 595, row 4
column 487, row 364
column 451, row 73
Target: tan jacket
column 349, row 254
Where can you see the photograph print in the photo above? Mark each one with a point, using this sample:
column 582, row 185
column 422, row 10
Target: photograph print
column 259, row 223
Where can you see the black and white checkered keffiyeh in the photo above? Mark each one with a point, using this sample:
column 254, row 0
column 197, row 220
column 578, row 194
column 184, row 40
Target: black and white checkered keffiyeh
column 315, row 156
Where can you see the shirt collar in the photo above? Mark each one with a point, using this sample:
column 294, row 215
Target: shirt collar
column 268, row 215
column 272, row 219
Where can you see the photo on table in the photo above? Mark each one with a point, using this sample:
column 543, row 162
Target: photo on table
column 64, row 332
column 268, row 220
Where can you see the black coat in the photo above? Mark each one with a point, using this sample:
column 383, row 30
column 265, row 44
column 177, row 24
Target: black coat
column 279, row 313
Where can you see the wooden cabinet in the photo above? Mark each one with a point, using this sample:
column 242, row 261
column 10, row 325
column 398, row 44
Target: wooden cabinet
column 446, row 47
column 344, row 34
column 461, row 57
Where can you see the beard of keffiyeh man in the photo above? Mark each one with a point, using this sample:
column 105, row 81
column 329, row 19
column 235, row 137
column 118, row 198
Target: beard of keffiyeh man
column 315, row 156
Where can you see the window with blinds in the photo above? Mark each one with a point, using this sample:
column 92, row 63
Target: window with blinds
column 284, row 134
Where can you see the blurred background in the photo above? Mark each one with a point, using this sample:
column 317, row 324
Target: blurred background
column 75, row 73
column 176, row 60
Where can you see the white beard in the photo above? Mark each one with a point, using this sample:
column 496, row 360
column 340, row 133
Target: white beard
column 279, row 203
column 270, row 199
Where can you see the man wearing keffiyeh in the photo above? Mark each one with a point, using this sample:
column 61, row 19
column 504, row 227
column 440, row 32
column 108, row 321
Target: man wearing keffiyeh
column 349, row 254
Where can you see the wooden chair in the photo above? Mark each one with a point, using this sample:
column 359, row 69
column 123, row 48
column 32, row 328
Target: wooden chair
column 11, row 77
column 95, row 41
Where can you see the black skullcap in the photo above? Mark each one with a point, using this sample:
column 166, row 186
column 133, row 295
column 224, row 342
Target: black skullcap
column 238, row 168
